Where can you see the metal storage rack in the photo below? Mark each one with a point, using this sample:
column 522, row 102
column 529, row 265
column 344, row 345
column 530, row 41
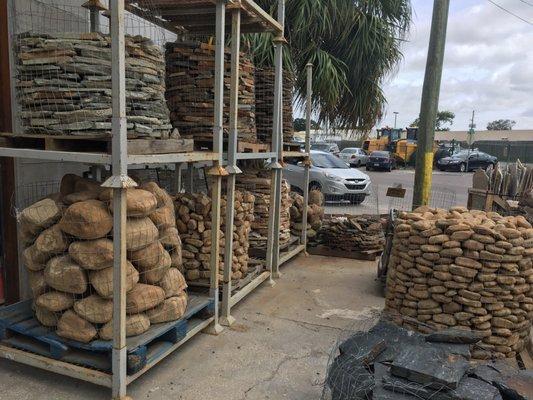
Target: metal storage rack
column 198, row 17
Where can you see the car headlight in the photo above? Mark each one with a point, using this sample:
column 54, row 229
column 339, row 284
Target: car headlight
column 333, row 177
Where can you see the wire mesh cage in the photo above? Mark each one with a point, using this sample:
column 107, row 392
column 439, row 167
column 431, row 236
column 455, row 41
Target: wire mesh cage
column 62, row 56
column 67, row 250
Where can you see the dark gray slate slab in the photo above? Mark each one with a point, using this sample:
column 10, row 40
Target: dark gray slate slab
column 364, row 347
column 348, row 379
column 457, row 336
column 382, row 393
column 475, row 389
column 429, row 366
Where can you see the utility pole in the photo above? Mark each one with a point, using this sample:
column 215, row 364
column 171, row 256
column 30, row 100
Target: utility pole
column 395, row 118
column 430, row 102
column 470, row 138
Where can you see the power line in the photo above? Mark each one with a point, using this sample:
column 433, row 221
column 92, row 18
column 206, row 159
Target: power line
column 510, row 12
column 526, row 2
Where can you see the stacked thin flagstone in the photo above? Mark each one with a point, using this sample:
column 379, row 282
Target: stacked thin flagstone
column 68, row 253
column 352, row 233
column 467, row 269
column 264, row 104
column 64, row 85
column 191, row 91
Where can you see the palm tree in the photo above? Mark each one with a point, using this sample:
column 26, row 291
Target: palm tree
column 354, row 46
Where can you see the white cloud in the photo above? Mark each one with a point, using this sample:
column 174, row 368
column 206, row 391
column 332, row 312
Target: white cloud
column 488, row 65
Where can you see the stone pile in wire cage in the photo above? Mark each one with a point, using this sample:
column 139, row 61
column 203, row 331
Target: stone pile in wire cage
column 258, row 182
column 315, row 214
column 471, row 270
column 63, row 85
column 352, row 233
column 67, row 241
column 193, row 218
column 264, row 104
column 190, row 67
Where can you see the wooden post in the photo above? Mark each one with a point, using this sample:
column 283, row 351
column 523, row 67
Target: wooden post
column 226, row 318
column 119, row 182
column 430, row 102
column 307, row 161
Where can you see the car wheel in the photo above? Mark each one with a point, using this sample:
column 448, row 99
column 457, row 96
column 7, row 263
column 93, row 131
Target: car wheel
column 315, row 186
column 462, row 167
column 358, row 163
column 357, row 199
column 368, row 168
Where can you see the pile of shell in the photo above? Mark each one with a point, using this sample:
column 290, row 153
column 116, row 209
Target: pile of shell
column 190, row 91
column 258, row 182
column 264, row 104
column 193, row 218
column 64, row 85
column 466, row 269
column 352, row 233
column 315, row 214
column 68, row 252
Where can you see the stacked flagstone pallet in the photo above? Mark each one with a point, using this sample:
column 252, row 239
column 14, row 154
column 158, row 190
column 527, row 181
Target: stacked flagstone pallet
column 355, row 233
column 258, row 182
column 315, row 214
column 264, row 104
column 190, row 67
column 193, row 218
column 68, row 253
column 466, row 269
column 64, row 85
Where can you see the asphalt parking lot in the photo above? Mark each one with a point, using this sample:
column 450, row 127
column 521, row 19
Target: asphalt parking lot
column 449, row 189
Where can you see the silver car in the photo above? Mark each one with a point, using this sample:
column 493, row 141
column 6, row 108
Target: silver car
column 332, row 176
column 353, row 156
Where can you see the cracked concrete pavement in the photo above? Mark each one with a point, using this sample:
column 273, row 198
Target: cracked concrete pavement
column 278, row 348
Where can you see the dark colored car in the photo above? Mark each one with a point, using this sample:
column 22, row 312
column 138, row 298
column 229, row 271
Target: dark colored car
column 465, row 160
column 381, row 160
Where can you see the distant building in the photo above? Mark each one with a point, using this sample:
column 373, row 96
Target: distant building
column 524, row 135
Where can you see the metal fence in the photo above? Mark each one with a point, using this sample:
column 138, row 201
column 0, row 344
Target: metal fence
column 507, row 150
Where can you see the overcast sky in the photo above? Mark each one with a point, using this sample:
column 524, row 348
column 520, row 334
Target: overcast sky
column 488, row 65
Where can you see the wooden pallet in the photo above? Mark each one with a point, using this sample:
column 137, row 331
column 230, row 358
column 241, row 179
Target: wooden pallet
column 95, row 144
column 235, row 284
column 260, row 253
column 321, row 250
column 292, row 147
column 19, row 329
column 242, row 146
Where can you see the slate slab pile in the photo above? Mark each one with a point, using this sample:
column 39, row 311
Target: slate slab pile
column 352, row 233
column 190, row 77
column 193, row 219
column 67, row 243
column 467, row 269
column 264, row 103
column 391, row 363
column 64, row 85
column 258, row 182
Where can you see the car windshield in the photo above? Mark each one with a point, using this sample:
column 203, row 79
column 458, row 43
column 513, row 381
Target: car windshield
column 327, row 161
column 349, row 150
column 463, row 153
column 380, row 154
column 320, row 146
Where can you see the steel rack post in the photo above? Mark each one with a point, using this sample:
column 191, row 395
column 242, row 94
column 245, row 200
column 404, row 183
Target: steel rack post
column 226, row 318
column 119, row 182
column 307, row 161
column 217, row 171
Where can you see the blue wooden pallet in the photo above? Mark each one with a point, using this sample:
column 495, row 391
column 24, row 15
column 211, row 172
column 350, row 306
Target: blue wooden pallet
column 20, row 329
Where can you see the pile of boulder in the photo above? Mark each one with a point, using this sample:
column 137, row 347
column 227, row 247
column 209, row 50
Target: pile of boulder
column 315, row 213
column 467, row 269
column 190, row 94
column 193, row 218
column 67, row 241
column 64, row 85
column 258, row 182
column 389, row 362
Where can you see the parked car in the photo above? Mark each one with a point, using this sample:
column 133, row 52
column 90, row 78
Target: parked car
column 354, row 156
column 465, row 160
column 332, row 176
column 327, row 147
column 381, row 160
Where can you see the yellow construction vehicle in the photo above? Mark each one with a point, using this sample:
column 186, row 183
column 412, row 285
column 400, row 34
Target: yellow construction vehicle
column 386, row 137
column 404, row 150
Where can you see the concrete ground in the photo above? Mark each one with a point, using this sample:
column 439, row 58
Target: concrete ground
column 449, row 189
column 278, row 348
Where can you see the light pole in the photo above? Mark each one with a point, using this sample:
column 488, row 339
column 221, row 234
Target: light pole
column 395, row 118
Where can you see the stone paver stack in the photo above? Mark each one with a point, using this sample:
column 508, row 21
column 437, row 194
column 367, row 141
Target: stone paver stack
column 466, row 269
column 64, row 85
column 68, row 253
